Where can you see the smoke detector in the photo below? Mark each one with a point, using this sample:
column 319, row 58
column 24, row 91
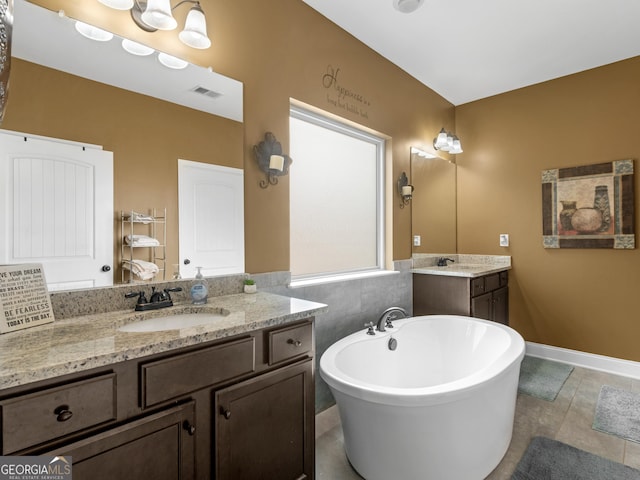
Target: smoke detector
column 407, row 6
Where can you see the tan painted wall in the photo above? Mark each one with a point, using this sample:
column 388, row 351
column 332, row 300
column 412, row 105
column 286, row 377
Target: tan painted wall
column 586, row 300
column 281, row 49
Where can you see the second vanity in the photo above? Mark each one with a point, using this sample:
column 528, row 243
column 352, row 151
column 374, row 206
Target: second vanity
column 229, row 399
column 472, row 285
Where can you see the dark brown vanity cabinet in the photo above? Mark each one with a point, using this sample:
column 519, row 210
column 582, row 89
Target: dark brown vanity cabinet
column 484, row 297
column 236, row 408
column 160, row 446
column 267, row 419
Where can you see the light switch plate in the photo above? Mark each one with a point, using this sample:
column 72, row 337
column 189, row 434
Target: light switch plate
column 416, row 240
column 504, row 239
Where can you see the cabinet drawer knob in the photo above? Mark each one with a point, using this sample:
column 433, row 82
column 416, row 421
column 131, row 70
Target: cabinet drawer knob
column 191, row 429
column 225, row 413
column 295, row 343
column 63, row 413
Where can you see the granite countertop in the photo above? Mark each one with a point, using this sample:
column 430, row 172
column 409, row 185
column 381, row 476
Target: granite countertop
column 85, row 342
column 463, row 265
column 462, row 270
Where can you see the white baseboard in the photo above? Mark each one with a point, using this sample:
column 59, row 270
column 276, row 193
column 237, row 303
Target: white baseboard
column 617, row 366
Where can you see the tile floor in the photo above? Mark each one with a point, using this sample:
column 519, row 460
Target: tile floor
column 567, row 419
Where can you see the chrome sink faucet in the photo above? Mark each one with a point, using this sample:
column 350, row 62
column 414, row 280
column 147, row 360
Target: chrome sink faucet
column 392, row 313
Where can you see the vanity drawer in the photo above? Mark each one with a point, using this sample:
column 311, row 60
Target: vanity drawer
column 290, row 342
column 185, row 373
column 35, row 418
column 491, row 282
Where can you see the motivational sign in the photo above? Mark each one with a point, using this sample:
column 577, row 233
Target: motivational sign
column 343, row 97
column 24, row 297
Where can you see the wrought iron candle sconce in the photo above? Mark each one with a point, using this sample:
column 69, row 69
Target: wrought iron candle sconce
column 271, row 160
column 404, row 189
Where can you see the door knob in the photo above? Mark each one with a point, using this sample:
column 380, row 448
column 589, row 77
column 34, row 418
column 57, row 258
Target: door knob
column 187, row 261
column 226, row 413
column 191, row 429
column 105, row 268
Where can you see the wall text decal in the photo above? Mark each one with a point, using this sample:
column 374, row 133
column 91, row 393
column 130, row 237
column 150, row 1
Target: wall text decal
column 342, row 97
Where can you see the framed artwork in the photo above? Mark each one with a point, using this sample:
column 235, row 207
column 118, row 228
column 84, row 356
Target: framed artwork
column 589, row 206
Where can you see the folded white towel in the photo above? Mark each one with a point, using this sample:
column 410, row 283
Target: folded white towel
column 141, row 241
column 141, row 217
column 141, row 269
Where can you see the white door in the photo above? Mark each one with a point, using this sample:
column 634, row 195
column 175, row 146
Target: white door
column 211, row 209
column 57, row 207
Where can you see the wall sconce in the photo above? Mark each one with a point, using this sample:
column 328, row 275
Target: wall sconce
column 271, row 160
column 404, row 189
column 447, row 142
column 155, row 15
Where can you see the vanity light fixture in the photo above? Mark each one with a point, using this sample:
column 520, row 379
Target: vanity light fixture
column 404, row 189
column 271, row 160
column 447, row 142
column 135, row 48
column 421, row 153
column 94, row 33
column 154, row 15
column 170, row 61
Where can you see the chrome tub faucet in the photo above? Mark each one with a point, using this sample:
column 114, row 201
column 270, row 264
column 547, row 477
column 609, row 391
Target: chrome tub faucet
column 392, row 313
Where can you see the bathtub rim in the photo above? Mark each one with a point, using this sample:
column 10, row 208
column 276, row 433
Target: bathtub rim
column 420, row 396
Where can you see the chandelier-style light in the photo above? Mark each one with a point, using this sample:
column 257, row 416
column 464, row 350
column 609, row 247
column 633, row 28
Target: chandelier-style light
column 155, row 15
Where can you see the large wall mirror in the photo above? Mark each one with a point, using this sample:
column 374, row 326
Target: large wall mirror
column 433, row 205
column 65, row 86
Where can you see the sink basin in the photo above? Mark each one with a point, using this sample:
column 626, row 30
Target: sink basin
column 171, row 322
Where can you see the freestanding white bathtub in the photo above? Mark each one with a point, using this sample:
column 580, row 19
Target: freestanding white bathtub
column 440, row 406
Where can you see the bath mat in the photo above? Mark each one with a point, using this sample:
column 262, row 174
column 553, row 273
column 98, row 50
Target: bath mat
column 618, row 413
column 547, row 459
column 542, row 378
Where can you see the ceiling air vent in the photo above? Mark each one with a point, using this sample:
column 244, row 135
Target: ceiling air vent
column 206, row 92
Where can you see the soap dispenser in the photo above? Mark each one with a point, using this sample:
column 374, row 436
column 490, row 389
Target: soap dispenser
column 199, row 289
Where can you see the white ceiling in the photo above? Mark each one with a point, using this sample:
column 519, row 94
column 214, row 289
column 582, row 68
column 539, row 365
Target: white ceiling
column 466, row 50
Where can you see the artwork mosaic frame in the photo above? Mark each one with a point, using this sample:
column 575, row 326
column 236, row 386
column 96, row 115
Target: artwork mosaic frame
column 589, row 206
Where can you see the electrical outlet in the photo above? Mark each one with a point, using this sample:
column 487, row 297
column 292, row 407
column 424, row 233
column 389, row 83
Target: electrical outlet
column 416, row 240
column 504, row 239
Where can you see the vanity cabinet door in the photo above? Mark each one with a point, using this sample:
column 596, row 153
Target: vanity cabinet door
column 501, row 306
column 158, row 447
column 265, row 426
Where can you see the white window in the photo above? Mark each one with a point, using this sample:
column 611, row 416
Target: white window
column 336, row 197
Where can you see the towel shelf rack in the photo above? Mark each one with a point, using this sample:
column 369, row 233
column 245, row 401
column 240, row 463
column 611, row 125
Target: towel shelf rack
column 145, row 228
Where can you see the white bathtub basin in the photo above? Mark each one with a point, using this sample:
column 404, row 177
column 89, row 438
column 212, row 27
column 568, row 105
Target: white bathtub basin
column 171, row 322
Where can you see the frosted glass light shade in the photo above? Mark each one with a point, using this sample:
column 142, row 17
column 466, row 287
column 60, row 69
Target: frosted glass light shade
column 135, row 48
column 194, row 33
column 118, row 4
column 94, row 33
column 158, row 15
column 441, row 140
column 457, row 147
column 172, row 62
